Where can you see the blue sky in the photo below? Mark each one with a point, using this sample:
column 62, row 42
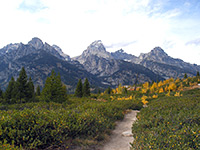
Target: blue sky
column 137, row 26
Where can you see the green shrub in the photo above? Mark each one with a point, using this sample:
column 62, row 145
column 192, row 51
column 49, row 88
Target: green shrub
column 169, row 123
column 40, row 125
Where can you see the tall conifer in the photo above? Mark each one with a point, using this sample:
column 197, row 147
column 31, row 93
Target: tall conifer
column 21, row 85
column 38, row 91
column 9, row 93
column 79, row 89
column 86, row 88
column 53, row 89
column 30, row 90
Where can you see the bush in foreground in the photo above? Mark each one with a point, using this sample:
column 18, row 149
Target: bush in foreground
column 169, row 123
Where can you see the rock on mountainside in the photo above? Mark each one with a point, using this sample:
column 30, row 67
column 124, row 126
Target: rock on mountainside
column 59, row 50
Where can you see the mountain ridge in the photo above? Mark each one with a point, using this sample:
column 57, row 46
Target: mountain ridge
column 96, row 63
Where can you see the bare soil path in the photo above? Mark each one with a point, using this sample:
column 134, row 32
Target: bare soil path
column 121, row 136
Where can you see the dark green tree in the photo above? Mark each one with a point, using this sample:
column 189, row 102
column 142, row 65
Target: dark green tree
column 99, row 91
column 86, row 88
column 108, row 90
column 79, row 89
column 38, row 91
column 9, row 93
column 198, row 74
column 60, row 90
column 1, row 93
column 185, row 76
column 30, row 90
column 21, row 87
column 125, row 91
column 53, row 89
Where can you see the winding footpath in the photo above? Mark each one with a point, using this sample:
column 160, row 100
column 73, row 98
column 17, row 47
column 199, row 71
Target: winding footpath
column 121, row 137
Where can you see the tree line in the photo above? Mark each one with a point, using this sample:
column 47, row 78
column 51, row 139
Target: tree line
column 22, row 90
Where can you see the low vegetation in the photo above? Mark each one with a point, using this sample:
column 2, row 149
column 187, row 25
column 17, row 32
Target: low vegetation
column 51, row 119
column 169, row 123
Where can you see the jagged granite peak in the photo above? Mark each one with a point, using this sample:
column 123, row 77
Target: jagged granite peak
column 59, row 50
column 96, row 48
column 97, row 45
column 157, row 50
column 156, row 54
column 18, row 50
column 36, row 43
column 122, row 55
column 9, row 48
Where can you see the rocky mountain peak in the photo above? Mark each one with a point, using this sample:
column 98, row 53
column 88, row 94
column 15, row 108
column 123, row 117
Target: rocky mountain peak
column 120, row 51
column 158, row 51
column 156, row 54
column 95, row 49
column 96, row 46
column 36, row 43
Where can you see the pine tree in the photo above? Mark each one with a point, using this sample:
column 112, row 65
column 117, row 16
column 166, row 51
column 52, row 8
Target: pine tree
column 53, row 89
column 198, row 74
column 21, row 86
column 38, row 91
column 60, row 90
column 30, row 90
column 86, row 88
column 108, row 90
column 79, row 89
column 9, row 93
column 1, row 93
column 46, row 94
column 185, row 76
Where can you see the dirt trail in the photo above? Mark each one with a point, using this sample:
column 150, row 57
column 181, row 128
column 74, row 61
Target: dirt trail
column 121, row 136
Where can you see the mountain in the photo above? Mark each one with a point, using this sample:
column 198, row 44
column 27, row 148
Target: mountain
column 101, row 67
column 94, row 49
column 39, row 60
column 122, row 55
column 110, row 68
column 59, row 50
column 160, row 63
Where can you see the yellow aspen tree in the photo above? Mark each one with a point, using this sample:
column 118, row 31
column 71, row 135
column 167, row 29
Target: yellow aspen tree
column 161, row 90
column 119, row 89
column 146, row 85
column 168, row 94
column 166, row 88
column 160, row 84
column 177, row 80
column 155, row 96
column 153, row 87
column 143, row 98
column 172, row 86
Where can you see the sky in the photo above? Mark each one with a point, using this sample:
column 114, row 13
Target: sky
column 136, row 26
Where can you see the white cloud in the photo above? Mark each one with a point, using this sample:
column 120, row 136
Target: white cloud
column 32, row 5
column 73, row 25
